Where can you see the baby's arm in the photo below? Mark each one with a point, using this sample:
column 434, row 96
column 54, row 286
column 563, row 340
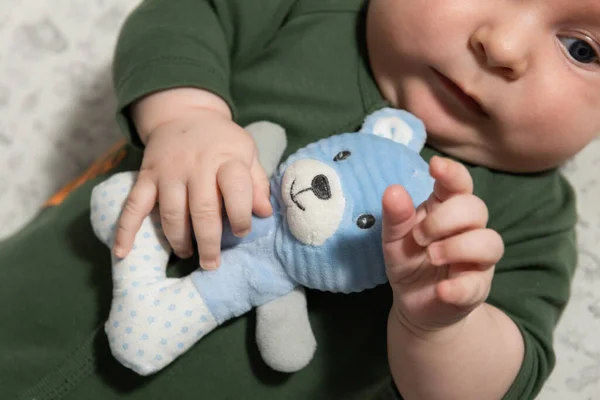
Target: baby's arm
column 195, row 154
column 479, row 360
column 444, row 341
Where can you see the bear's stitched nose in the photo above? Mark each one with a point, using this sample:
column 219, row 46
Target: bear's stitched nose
column 320, row 187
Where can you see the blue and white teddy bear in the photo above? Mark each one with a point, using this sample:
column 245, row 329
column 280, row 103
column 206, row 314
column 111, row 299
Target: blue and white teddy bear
column 324, row 234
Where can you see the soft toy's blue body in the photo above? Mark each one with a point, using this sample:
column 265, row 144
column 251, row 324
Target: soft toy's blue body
column 325, row 234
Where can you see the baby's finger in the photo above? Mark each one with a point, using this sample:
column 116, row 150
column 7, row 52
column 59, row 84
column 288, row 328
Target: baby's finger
column 235, row 184
column 458, row 214
column 174, row 215
column 481, row 247
column 402, row 255
column 205, row 210
column 398, row 214
column 139, row 204
column 261, row 204
column 467, row 290
column 451, row 178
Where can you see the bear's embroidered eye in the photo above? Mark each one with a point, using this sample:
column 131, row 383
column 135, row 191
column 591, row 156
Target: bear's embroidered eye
column 342, row 155
column 365, row 221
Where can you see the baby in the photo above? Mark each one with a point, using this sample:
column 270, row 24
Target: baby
column 509, row 86
column 479, row 273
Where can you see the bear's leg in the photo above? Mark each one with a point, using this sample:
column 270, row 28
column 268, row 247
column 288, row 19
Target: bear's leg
column 283, row 333
column 151, row 325
column 153, row 319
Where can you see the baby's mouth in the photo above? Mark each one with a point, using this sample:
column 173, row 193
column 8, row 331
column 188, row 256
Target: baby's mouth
column 469, row 102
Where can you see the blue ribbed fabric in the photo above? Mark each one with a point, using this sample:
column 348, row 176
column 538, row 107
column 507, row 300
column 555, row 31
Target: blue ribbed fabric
column 351, row 260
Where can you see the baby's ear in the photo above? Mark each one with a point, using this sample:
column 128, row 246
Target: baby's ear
column 397, row 125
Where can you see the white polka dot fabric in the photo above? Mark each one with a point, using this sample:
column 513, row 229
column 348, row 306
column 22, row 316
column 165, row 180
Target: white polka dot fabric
column 153, row 319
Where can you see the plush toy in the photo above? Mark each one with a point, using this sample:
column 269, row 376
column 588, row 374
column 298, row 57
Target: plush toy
column 324, row 234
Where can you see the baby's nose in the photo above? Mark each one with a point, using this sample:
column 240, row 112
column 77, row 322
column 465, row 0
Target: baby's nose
column 320, row 187
column 503, row 48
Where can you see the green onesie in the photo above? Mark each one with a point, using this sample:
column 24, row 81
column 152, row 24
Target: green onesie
column 301, row 64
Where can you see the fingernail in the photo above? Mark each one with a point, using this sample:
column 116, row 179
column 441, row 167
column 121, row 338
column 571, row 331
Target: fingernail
column 242, row 233
column 442, row 164
column 186, row 254
column 419, row 236
column 436, row 255
column 208, row 265
column 118, row 251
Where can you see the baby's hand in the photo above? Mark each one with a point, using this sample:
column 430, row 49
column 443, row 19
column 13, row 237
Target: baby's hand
column 193, row 166
column 440, row 258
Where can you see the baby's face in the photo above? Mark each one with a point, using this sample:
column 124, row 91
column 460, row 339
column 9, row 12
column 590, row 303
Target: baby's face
column 512, row 85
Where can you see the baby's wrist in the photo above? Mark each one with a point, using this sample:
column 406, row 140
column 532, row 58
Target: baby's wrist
column 171, row 105
column 431, row 333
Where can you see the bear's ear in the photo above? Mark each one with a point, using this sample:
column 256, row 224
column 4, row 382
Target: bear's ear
column 397, row 125
column 271, row 142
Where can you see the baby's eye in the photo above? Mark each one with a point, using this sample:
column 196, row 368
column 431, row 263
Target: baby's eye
column 580, row 50
column 342, row 155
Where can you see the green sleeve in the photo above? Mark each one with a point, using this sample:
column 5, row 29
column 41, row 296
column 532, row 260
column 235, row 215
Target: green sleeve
column 536, row 218
column 196, row 43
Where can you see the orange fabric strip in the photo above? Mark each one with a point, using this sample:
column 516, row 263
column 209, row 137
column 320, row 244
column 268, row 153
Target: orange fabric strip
column 102, row 165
